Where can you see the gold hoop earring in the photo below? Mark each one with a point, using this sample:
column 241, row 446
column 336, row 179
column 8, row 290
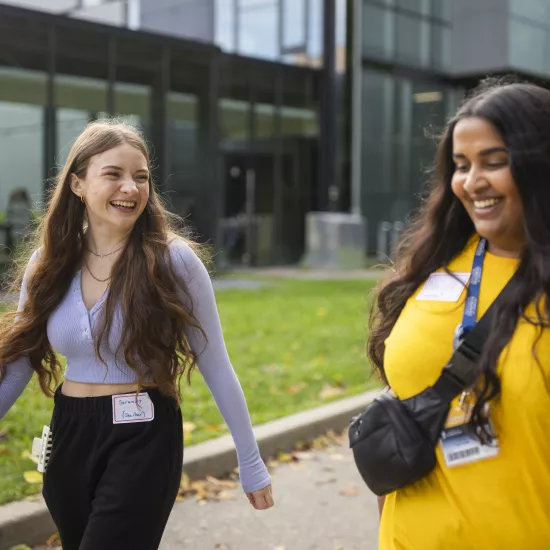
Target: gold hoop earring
column 82, row 199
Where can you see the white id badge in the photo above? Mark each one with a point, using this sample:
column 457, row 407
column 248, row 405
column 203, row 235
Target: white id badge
column 127, row 410
column 459, row 445
column 442, row 287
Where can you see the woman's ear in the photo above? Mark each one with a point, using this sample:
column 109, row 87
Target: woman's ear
column 76, row 186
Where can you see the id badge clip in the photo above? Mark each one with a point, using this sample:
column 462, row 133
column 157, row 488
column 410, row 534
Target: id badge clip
column 41, row 449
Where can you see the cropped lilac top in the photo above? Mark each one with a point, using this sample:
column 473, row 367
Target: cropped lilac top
column 70, row 329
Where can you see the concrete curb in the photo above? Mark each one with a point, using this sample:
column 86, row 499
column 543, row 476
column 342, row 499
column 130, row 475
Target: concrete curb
column 29, row 522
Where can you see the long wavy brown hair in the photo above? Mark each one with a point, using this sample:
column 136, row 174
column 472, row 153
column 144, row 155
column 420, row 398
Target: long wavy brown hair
column 441, row 228
column 143, row 279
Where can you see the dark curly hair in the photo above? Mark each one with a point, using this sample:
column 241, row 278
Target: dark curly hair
column 441, row 228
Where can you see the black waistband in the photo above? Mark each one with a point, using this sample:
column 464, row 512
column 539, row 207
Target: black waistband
column 104, row 404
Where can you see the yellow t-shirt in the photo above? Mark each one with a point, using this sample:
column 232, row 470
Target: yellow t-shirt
column 500, row 503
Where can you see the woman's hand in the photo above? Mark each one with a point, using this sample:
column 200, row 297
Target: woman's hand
column 262, row 499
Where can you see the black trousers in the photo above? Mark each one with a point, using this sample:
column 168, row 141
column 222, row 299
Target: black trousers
column 112, row 486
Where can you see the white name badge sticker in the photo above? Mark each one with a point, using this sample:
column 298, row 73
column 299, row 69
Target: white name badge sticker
column 442, row 287
column 127, row 410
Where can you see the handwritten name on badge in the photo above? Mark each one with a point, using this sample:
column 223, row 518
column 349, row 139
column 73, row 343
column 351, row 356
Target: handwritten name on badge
column 442, row 287
column 126, row 410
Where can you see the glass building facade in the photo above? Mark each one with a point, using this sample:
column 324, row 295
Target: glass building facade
column 231, row 136
column 405, row 93
column 254, row 122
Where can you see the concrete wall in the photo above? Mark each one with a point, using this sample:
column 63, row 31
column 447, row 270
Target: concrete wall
column 193, row 19
column 479, row 36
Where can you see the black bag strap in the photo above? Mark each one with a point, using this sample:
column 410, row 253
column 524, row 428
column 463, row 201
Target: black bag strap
column 462, row 369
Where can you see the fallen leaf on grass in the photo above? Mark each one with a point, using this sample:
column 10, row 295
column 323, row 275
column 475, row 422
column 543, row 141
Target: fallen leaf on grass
column 349, row 492
column 188, row 428
column 32, row 477
column 330, row 391
column 293, row 390
column 214, row 428
column 270, row 368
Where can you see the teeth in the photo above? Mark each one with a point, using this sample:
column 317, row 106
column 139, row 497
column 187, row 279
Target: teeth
column 125, row 204
column 486, row 203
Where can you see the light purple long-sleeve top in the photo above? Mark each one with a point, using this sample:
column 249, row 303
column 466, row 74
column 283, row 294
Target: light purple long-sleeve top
column 70, row 331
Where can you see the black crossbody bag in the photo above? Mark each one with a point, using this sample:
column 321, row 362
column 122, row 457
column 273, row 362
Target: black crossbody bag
column 393, row 441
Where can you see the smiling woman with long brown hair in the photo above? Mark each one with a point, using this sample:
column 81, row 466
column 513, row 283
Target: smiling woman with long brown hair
column 110, row 286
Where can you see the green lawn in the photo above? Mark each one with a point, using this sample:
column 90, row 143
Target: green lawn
column 294, row 345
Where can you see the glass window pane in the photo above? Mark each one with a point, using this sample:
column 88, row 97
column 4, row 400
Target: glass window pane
column 294, row 22
column 378, row 32
column 537, row 10
column 413, row 40
column 132, row 103
column 429, row 109
column 183, row 183
column 22, row 98
column 377, row 128
column 341, row 30
column 78, row 100
column 442, row 9
column 225, row 24
column 387, row 2
column 258, row 35
column 528, row 47
column 315, row 36
column 441, row 47
column 418, row 6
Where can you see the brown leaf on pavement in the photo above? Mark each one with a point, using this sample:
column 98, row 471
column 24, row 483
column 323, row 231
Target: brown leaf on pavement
column 209, row 489
column 54, row 540
column 326, row 481
column 349, row 492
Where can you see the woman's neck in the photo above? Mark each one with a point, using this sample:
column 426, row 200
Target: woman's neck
column 508, row 250
column 103, row 242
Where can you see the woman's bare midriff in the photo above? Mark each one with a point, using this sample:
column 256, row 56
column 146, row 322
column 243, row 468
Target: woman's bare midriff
column 79, row 389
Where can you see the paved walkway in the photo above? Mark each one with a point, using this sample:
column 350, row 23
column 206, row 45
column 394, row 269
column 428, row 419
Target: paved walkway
column 320, row 504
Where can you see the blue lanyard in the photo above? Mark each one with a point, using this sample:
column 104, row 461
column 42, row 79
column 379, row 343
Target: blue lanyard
column 469, row 318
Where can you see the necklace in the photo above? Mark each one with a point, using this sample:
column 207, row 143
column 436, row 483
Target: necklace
column 93, row 276
column 104, row 255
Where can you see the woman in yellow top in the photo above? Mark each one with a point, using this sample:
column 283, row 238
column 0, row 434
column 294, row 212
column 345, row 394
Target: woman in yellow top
column 492, row 184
